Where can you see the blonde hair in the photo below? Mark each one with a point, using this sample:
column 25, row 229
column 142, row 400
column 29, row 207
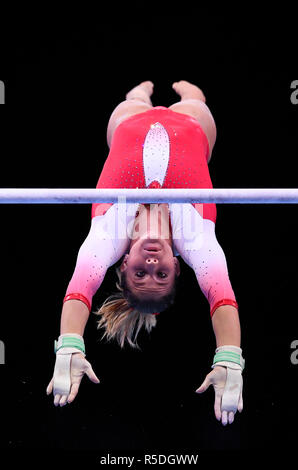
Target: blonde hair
column 123, row 314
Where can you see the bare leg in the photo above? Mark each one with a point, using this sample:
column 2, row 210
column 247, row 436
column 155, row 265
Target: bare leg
column 141, row 93
column 188, row 91
column 193, row 104
column 137, row 101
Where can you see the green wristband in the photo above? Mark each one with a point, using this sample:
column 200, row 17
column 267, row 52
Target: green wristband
column 227, row 356
column 70, row 342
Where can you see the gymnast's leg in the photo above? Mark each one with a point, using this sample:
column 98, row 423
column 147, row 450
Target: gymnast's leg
column 193, row 103
column 137, row 101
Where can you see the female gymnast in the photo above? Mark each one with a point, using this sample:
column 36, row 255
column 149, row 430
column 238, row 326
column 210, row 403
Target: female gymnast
column 152, row 147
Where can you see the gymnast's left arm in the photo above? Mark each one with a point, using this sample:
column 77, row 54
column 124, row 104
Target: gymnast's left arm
column 228, row 364
column 209, row 263
column 204, row 254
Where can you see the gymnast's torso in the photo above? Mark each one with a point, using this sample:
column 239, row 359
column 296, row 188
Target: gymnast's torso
column 158, row 148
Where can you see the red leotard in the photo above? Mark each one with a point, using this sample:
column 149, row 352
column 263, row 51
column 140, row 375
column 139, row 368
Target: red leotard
column 155, row 149
column 186, row 166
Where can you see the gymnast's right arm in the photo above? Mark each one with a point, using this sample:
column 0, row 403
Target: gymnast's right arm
column 101, row 249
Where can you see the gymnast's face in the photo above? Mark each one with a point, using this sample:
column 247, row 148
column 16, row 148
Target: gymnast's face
column 150, row 267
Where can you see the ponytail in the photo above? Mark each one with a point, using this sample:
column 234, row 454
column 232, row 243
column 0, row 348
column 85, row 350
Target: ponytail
column 123, row 314
column 120, row 320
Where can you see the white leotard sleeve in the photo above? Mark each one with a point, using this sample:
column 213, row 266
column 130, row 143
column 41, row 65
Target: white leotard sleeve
column 195, row 240
column 107, row 241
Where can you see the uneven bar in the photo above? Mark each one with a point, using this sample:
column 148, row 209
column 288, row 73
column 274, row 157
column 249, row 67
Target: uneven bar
column 123, row 195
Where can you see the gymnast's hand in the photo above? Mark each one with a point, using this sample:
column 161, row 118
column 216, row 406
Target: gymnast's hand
column 227, row 384
column 68, row 373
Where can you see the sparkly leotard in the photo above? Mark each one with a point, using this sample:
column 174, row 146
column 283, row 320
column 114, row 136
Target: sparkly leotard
column 158, row 148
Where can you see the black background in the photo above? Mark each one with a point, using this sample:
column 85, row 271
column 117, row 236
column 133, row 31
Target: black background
column 62, row 83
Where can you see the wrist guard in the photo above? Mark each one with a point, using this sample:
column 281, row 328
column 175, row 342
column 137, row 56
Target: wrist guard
column 69, row 343
column 229, row 356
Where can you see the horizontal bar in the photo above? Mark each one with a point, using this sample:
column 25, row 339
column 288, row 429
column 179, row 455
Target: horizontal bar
column 173, row 195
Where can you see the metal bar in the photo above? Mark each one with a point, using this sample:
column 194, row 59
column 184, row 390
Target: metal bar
column 173, row 195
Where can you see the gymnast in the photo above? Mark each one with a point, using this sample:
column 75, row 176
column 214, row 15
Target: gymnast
column 152, row 147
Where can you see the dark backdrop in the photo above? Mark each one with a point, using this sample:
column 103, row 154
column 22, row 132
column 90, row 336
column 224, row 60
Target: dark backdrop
column 61, row 87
